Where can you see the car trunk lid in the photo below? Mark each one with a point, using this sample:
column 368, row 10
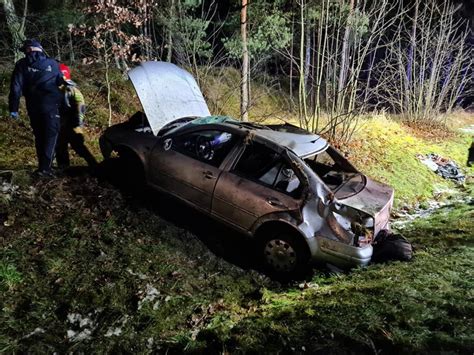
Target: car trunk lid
column 167, row 93
column 376, row 200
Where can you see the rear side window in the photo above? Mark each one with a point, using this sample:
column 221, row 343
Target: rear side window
column 265, row 166
column 207, row 146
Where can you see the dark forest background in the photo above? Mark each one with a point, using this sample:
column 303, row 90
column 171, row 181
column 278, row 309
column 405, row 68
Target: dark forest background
column 87, row 266
column 335, row 59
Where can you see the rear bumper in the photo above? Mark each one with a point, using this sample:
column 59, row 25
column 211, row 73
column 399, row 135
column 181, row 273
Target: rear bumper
column 339, row 254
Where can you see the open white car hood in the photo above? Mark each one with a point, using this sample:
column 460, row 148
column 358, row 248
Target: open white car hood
column 167, row 93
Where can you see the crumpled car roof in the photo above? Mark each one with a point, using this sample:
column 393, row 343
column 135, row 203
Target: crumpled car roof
column 303, row 145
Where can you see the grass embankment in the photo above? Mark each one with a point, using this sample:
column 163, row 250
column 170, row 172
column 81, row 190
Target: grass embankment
column 82, row 267
column 386, row 150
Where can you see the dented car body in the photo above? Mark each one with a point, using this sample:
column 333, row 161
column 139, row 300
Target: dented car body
column 288, row 189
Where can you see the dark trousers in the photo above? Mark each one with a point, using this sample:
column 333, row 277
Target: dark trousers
column 46, row 129
column 470, row 156
column 76, row 140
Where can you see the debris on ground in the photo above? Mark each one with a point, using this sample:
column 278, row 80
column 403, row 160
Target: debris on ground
column 7, row 188
column 444, row 167
column 389, row 246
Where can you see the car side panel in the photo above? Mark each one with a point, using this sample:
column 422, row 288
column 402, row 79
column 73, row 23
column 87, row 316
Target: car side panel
column 242, row 202
column 185, row 177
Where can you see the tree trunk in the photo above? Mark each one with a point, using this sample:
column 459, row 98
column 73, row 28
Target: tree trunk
column 344, row 59
column 72, row 57
column 302, row 89
column 244, row 87
column 108, row 83
column 291, row 61
column 307, row 61
column 169, row 53
column 16, row 29
column 411, row 53
column 58, row 46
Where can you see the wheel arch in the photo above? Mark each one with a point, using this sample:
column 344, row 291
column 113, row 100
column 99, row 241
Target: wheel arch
column 129, row 152
column 278, row 234
column 268, row 227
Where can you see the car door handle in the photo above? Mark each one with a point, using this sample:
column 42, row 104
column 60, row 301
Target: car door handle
column 272, row 201
column 208, row 175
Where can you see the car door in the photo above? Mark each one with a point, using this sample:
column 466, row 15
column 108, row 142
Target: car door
column 188, row 165
column 261, row 182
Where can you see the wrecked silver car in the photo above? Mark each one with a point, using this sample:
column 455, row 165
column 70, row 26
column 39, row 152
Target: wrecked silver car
column 295, row 195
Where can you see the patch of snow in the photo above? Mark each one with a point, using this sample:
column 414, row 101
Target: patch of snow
column 139, row 274
column 151, row 293
column 74, row 317
column 117, row 331
column 83, row 322
column 195, row 333
column 113, row 331
column 34, row 332
column 78, row 318
column 79, row 336
column 306, row 285
column 405, row 217
column 86, row 322
column 149, row 343
column 468, row 129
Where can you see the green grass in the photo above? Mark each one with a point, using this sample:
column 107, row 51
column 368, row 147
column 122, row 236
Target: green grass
column 386, row 151
column 9, row 277
column 79, row 247
column 426, row 304
column 76, row 246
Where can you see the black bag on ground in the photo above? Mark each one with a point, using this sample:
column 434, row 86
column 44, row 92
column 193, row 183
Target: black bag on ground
column 388, row 246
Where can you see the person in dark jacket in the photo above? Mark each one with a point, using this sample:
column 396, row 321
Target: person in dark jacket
column 72, row 112
column 38, row 78
column 470, row 155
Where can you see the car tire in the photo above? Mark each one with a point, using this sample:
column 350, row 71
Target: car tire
column 132, row 171
column 284, row 255
column 126, row 172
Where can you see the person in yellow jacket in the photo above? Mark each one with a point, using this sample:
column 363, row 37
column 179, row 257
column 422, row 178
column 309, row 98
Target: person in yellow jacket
column 72, row 113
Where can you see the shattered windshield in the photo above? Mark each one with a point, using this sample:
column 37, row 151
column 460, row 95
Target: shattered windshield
column 212, row 119
column 201, row 121
column 337, row 173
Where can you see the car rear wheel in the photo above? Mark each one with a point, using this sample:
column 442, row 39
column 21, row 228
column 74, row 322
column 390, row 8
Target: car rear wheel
column 125, row 171
column 284, row 254
column 132, row 171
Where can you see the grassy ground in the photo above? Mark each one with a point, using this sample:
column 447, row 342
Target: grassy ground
column 85, row 266
column 387, row 151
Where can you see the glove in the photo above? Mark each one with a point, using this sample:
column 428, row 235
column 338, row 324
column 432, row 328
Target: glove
column 14, row 115
column 78, row 130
